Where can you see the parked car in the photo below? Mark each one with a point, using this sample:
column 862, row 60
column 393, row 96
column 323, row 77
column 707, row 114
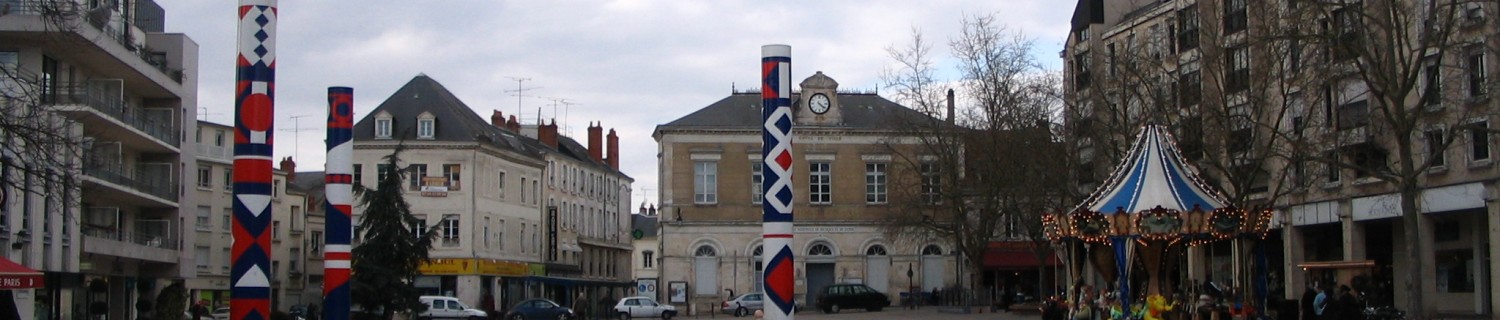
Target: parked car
column 440, row 307
column 539, row 309
column 839, row 296
column 744, row 305
column 220, row 313
column 643, row 307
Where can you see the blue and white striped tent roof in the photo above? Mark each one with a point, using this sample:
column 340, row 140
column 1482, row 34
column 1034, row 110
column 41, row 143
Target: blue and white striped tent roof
column 1153, row 174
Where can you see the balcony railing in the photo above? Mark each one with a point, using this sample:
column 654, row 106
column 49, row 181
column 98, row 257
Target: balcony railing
column 93, row 96
column 97, row 18
column 145, row 239
column 206, row 150
column 157, row 186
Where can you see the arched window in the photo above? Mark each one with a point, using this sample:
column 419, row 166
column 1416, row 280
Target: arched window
column 705, row 251
column 820, row 250
column 758, row 251
column 875, row 250
column 932, row 250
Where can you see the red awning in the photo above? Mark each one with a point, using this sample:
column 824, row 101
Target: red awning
column 1010, row 259
column 16, row 276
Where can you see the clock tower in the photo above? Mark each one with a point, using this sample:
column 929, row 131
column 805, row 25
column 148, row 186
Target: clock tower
column 818, row 104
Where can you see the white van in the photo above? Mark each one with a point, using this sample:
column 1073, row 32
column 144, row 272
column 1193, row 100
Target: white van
column 440, row 307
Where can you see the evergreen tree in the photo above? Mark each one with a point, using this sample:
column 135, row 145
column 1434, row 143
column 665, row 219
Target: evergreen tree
column 385, row 261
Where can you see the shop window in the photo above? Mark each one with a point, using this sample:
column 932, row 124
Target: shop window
column 1455, row 270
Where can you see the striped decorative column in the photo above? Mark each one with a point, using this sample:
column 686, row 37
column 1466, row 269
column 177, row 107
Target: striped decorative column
column 255, row 86
column 776, row 152
column 338, row 191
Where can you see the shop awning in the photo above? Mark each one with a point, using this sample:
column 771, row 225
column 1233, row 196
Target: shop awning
column 16, row 276
column 1010, row 259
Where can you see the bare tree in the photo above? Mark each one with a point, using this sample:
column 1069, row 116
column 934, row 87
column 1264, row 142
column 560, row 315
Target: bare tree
column 988, row 166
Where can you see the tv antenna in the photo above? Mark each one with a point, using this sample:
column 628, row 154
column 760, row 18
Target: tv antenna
column 520, row 92
column 203, row 113
column 296, row 133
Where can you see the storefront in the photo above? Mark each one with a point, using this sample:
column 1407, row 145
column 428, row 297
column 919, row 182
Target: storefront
column 17, row 290
column 487, row 284
column 1012, row 269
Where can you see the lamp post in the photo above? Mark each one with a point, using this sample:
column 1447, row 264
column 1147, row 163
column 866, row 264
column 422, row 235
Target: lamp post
column 911, row 296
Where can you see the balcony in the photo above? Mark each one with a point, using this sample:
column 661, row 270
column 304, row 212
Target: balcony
column 105, row 113
column 99, row 27
column 138, row 188
column 218, row 153
column 156, row 247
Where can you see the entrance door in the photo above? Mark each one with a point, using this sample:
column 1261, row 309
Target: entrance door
column 932, row 268
column 819, row 275
column 877, row 272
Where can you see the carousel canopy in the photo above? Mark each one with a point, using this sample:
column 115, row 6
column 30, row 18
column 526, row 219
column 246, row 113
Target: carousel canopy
column 1153, row 174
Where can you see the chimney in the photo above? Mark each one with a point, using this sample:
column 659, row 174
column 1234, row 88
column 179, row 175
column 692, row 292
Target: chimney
column 497, row 119
column 950, row 106
column 290, row 167
column 596, row 142
column 513, row 125
column 612, row 141
column 548, row 134
column 653, row 210
column 643, row 208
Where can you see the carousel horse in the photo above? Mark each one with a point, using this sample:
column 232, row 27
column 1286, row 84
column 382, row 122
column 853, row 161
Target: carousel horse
column 1156, row 306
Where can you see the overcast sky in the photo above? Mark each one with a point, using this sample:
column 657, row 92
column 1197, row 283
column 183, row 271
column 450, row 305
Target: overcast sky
column 630, row 64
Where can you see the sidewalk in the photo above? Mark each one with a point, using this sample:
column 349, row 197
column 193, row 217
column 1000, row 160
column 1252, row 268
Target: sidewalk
column 889, row 314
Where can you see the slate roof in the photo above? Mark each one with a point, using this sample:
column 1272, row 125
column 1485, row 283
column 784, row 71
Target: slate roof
column 646, row 224
column 572, row 149
column 741, row 110
column 455, row 121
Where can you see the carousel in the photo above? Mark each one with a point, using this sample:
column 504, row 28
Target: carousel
column 1136, row 231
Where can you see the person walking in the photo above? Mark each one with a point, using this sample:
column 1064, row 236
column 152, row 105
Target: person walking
column 1320, row 302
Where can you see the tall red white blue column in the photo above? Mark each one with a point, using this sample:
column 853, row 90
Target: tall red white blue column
column 254, row 101
column 338, row 189
column 776, row 152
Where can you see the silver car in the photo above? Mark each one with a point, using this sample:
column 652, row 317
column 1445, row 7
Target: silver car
column 744, row 305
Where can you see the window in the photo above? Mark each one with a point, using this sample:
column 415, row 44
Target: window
column 500, row 184
column 49, row 80
column 1354, row 114
column 219, row 138
column 1348, row 23
column 820, row 182
column 359, row 174
column 500, row 235
column 1330, row 169
column 381, row 170
column 227, row 219
column 523, row 190
column 1479, row 141
column 1432, row 83
column 1235, row 19
column 757, row 181
column 228, row 179
column 1189, row 88
column 932, row 250
column 931, row 183
column 486, row 233
column 450, row 230
column 276, row 229
column 419, row 225
column 383, row 127
column 1187, row 22
column 1455, row 270
column 705, row 182
column 205, row 219
column 315, row 245
column 1435, row 146
column 418, row 171
column 875, row 183
column 1238, row 77
column 205, row 177
column 1081, row 75
column 452, row 172
column 821, row 249
column 646, row 258
column 425, row 128
column 9, row 60
column 200, row 255
column 536, row 191
column 1474, row 64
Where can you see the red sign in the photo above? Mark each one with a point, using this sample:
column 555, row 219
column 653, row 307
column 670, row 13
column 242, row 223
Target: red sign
column 20, row 281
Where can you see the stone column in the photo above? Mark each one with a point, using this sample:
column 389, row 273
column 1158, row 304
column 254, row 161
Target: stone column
column 1492, row 227
column 1293, row 247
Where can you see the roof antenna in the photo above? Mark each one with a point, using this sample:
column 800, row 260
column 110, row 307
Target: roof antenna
column 731, row 87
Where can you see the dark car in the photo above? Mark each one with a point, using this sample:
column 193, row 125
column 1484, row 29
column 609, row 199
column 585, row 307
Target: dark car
column 539, row 309
column 840, row 296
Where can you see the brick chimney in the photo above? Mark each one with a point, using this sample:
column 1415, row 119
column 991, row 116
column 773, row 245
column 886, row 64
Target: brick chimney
column 548, row 134
column 643, row 208
column 290, row 167
column 513, row 125
column 596, row 142
column 497, row 119
column 652, row 211
column 612, row 141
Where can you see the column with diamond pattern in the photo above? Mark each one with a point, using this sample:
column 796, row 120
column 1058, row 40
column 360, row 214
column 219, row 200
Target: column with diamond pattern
column 338, row 190
column 776, row 207
column 255, row 85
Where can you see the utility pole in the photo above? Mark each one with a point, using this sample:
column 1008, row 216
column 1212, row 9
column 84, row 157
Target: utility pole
column 520, row 92
column 296, row 132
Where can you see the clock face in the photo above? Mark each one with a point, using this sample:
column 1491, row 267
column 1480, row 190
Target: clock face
column 818, row 103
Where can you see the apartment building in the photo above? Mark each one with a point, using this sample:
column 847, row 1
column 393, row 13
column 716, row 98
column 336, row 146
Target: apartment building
column 646, row 264
column 111, row 235
column 1283, row 105
column 846, row 181
column 481, row 184
column 296, row 265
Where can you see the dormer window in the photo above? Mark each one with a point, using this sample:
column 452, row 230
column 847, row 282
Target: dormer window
column 426, row 125
column 383, row 126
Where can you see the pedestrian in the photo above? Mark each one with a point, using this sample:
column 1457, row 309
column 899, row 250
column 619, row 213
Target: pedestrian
column 1350, row 307
column 1308, row 309
column 1320, row 302
column 580, row 306
column 198, row 310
